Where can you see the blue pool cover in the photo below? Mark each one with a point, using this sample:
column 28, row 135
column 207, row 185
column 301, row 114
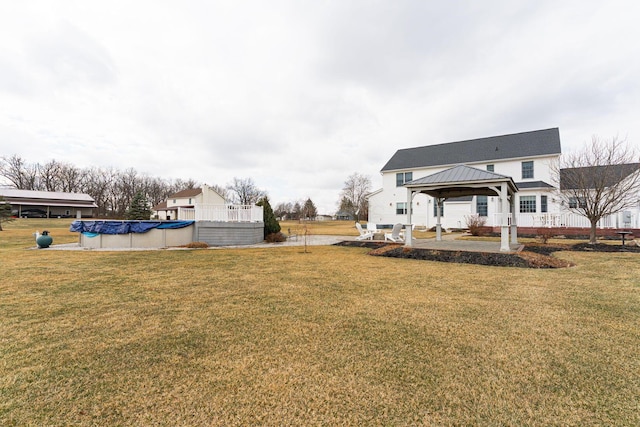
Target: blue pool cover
column 124, row 227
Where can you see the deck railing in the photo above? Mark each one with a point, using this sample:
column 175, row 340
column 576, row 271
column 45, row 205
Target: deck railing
column 553, row 220
column 222, row 213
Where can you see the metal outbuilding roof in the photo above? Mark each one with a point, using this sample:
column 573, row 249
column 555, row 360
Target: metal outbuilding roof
column 51, row 198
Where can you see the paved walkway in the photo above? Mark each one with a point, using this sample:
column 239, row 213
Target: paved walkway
column 449, row 242
column 312, row 240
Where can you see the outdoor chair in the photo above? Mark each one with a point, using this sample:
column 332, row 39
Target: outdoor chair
column 394, row 236
column 364, row 235
column 413, row 227
column 372, row 227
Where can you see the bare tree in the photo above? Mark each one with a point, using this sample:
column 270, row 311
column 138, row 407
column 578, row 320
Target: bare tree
column 353, row 195
column 71, row 178
column 600, row 180
column 221, row 191
column 283, row 210
column 49, row 176
column 98, row 183
column 20, row 174
column 181, row 184
column 245, row 191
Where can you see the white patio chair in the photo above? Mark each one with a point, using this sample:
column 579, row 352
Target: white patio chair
column 371, row 226
column 364, row 235
column 394, row 236
column 413, row 227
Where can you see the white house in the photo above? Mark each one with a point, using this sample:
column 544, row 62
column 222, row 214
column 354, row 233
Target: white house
column 187, row 199
column 526, row 158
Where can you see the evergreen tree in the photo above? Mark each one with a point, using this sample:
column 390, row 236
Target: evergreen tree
column 310, row 211
column 271, row 224
column 139, row 208
column 5, row 212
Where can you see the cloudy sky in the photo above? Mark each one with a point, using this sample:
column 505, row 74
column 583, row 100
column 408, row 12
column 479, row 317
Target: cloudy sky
column 300, row 94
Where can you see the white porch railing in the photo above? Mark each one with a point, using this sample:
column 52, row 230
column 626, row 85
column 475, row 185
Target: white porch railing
column 551, row 220
column 222, row 213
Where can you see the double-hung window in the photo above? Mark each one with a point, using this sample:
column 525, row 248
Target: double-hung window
column 482, row 206
column 490, row 168
column 575, row 203
column 403, row 177
column 527, row 170
column 401, row 208
column 543, row 204
column 527, row 204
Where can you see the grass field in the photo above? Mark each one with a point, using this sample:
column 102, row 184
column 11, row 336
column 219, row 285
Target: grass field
column 277, row 336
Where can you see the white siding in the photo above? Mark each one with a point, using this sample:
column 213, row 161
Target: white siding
column 382, row 204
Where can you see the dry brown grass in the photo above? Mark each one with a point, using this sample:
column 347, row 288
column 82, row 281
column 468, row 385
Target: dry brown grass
column 332, row 337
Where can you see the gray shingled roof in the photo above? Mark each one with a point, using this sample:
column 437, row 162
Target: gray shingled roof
column 533, row 184
column 595, row 176
column 525, row 144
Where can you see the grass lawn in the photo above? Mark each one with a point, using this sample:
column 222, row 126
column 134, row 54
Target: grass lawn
column 277, row 336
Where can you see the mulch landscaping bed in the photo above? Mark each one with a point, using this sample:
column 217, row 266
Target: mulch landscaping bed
column 532, row 256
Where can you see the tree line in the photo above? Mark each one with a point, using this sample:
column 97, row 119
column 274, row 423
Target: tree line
column 113, row 190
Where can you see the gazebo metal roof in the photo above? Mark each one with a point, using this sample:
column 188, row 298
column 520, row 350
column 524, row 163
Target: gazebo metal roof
column 461, row 181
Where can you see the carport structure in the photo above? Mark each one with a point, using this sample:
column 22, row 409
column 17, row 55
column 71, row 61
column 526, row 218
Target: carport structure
column 461, row 181
column 52, row 203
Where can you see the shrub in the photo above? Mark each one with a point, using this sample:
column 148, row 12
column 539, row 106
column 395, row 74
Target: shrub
column 271, row 224
column 544, row 234
column 475, row 224
column 197, row 245
column 276, row 237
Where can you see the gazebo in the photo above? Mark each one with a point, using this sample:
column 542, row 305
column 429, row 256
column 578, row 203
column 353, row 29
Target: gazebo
column 461, row 181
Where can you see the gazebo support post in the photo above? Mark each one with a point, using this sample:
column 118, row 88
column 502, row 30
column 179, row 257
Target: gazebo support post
column 437, row 201
column 408, row 239
column 504, row 226
column 514, row 225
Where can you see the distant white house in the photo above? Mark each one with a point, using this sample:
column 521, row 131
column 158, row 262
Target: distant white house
column 187, row 199
column 527, row 159
column 205, row 204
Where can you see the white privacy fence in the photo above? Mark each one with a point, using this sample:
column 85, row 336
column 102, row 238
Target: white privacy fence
column 222, row 213
column 551, row 220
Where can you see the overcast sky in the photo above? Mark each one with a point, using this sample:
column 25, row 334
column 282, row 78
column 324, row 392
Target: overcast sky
column 298, row 95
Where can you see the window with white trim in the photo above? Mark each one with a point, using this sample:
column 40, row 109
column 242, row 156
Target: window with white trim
column 401, row 208
column 575, row 203
column 482, row 205
column 527, row 169
column 403, row 177
column 527, row 204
